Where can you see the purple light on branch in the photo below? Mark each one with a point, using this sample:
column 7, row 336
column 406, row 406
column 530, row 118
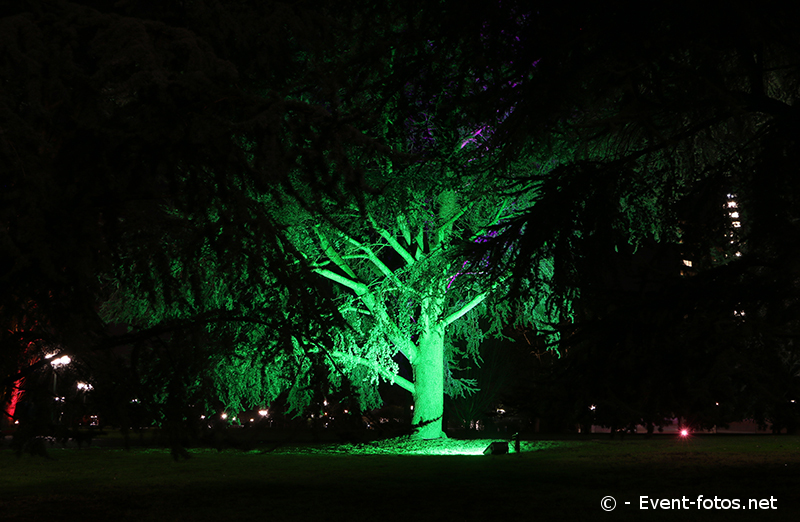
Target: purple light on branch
column 474, row 134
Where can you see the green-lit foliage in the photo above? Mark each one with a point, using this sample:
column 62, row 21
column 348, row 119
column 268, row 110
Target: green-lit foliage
column 400, row 284
column 357, row 166
column 226, row 330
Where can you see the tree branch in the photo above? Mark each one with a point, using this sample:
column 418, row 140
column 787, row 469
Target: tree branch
column 355, row 286
column 447, row 225
column 362, row 291
column 384, row 372
column 333, row 255
column 402, row 224
column 385, row 270
column 420, row 239
column 394, row 243
column 478, row 299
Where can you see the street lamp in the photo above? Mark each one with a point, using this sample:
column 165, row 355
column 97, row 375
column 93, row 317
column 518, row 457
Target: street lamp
column 57, row 363
column 61, row 361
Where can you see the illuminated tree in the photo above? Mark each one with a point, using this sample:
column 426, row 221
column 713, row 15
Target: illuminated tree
column 402, row 289
column 391, row 254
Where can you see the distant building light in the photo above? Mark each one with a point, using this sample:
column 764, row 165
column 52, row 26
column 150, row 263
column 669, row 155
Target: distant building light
column 737, row 224
column 687, row 262
column 85, row 386
column 263, row 413
column 732, row 204
column 734, row 214
column 738, row 254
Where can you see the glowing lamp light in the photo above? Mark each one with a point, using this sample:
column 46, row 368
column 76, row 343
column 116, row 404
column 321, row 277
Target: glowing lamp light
column 61, row 361
column 684, row 433
column 85, row 386
column 223, row 416
column 263, row 413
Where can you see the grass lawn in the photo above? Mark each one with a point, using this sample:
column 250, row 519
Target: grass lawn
column 555, row 480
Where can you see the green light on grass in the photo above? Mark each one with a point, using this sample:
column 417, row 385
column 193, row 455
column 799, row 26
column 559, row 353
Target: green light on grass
column 436, row 447
column 410, row 446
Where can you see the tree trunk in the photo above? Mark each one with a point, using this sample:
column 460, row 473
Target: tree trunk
column 428, row 369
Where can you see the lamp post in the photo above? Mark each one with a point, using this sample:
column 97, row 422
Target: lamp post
column 57, row 363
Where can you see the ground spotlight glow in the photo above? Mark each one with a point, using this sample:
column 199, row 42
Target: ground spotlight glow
column 404, row 446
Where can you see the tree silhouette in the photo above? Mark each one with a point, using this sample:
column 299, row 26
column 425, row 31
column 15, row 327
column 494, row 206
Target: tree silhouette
column 673, row 109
